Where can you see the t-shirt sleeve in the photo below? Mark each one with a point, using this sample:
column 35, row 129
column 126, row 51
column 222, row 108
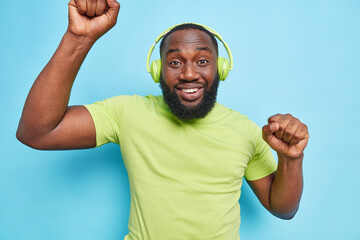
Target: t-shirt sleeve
column 263, row 163
column 107, row 116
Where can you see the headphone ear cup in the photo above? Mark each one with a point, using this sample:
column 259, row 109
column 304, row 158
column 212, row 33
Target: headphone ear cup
column 223, row 68
column 155, row 70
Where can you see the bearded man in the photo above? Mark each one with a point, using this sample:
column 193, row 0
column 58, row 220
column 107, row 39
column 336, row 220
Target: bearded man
column 185, row 154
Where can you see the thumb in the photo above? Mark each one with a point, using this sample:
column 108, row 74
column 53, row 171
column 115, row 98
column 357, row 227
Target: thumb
column 114, row 8
column 268, row 131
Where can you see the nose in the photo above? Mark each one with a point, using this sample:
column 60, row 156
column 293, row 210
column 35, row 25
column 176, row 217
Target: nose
column 189, row 73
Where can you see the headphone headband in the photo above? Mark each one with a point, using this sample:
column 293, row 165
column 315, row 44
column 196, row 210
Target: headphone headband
column 170, row 28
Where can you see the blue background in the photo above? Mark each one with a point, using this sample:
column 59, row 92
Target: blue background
column 300, row 57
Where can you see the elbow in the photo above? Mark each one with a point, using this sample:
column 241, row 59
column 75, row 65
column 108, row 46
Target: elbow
column 20, row 136
column 285, row 209
column 28, row 140
column 288, row 215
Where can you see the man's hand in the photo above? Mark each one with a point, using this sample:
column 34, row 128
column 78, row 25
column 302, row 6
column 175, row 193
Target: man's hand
column 280, row 192
column 92, row 18
column 286, row 135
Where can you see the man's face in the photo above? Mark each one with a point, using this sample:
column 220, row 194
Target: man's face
column 189, row 78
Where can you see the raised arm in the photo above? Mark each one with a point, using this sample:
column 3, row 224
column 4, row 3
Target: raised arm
column 47, row 122
column 281, row 191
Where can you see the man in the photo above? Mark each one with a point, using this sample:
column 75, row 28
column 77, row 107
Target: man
column 185, row 154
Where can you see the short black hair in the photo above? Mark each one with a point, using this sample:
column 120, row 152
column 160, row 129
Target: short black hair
column 186, row 26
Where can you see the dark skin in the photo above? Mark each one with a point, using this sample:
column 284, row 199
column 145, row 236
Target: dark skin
column 188, row 62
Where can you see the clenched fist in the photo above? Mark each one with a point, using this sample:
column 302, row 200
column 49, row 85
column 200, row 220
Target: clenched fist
column 286, row 135
column 92, row 18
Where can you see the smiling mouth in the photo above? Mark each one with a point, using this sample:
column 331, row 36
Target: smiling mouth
column 190, row 94
column 190, row 90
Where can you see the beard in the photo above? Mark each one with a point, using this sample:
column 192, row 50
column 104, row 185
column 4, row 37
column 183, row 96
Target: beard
column 186, row 113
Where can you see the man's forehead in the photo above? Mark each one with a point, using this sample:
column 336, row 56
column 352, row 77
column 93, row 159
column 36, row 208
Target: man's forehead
column 189, row 37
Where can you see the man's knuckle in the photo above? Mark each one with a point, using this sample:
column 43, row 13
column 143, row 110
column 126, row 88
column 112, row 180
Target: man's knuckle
column 279, row 134
column 287, row 135
column 306, row 131
column 274, row 117
column 82, row 8
column 296, row 137
column 117, row 4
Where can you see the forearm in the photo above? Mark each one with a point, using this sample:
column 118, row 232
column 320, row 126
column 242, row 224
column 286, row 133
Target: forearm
column 287, row 187
column 48, row 98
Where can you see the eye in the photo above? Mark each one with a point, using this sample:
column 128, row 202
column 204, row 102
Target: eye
column 203, row 62
column 174, row 63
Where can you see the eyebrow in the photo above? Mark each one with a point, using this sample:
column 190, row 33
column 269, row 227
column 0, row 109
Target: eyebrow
column 171, row 50
column 203, row 49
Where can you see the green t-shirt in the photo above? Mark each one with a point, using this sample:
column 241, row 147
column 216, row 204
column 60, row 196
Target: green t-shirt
column 185, row 177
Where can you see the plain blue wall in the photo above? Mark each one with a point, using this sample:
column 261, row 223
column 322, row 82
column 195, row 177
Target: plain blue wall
column 300, row 57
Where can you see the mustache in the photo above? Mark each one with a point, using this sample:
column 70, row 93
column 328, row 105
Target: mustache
column 194, row 82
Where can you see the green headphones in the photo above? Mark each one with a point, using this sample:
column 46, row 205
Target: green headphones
column 224, row 66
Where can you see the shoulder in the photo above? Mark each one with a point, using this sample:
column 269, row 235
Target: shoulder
column 239, row 124
column 123, row 98
column 128, row 100
column 138, row 106
column 235, row 118
column 116, row 106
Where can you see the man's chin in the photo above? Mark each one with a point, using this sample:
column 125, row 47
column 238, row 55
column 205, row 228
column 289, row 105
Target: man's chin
column 186, row 110
column 190, row 104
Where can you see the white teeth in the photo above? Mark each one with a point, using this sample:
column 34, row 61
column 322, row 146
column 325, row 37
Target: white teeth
column 191, row 90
